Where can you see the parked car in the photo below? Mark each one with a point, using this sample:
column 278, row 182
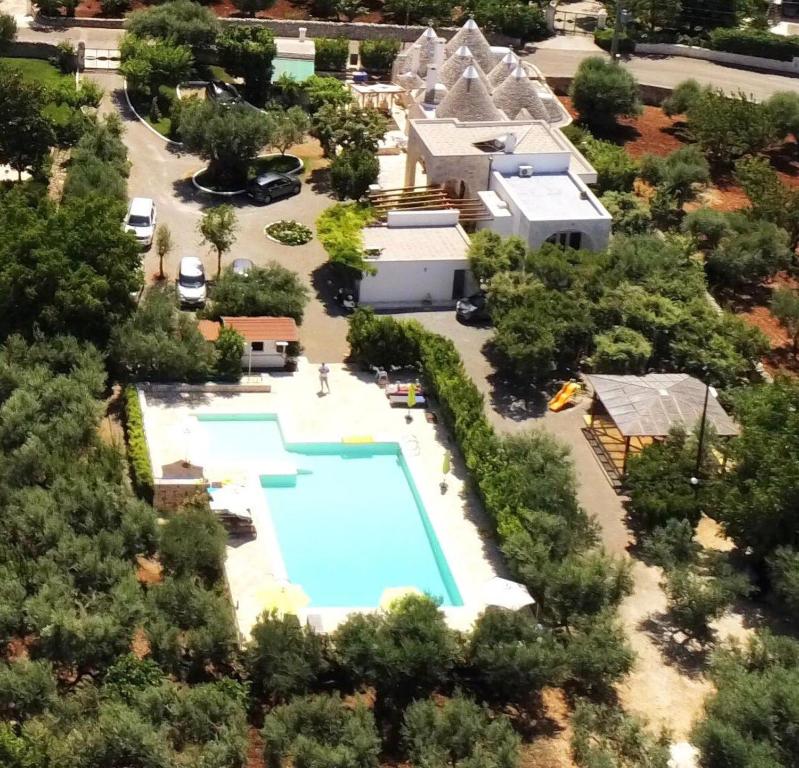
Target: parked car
column 473, row 309
column 242, row 266
column 222, row 93
column 140, row 219
column 272, row 186
column 192, row 288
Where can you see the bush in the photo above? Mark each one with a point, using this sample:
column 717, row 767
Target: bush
column 755, row 42
column 601, row 91
column 289, row 232
column 193, row 544
column 508, row 17
column 229, row 348
column 321, row 731
column 8, row 31
column 615, row 168
column 621, row 350
column 604, row 37
column 631, row 215
column 248, row 52
column 684, row 95
column 339, row 231
column 181, row 22
column 378, row 55
column 138, row 451
column 115, row 8
column 332, row 54
column 271, row 291
column 352, row 172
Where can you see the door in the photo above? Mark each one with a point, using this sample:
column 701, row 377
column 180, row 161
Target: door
column 458, row 283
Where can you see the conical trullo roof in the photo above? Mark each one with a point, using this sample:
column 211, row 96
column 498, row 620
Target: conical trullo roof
column 468, row 100
column 471, row 36
column 523, row 115
column 427, row 50
column 506, row 65
column 517, row 93
column 456, row 65
column 410, row 81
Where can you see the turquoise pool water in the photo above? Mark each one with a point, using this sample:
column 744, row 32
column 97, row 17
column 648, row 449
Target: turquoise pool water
column 350, row 523
column 299, row 69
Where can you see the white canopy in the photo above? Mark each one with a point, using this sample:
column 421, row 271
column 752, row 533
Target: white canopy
column 506, row 594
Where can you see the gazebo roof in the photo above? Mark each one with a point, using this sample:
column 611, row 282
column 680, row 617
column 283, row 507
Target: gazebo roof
column 468, row 100
column 654, row 404
column 516, row 93
column 471, row 36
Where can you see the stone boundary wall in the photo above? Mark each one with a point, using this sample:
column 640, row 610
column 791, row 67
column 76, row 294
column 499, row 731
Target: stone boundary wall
column 169, row 495
column 652, row 95
column 720, row 57
column 291, row 27
column 32, row 50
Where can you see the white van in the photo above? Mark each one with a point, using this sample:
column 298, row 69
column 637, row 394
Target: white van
column 140, row 220
column 192, row 287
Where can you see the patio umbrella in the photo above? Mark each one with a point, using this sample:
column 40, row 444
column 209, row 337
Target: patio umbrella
column 283, row 597
column 447, row 463
column 392, row 594
column 506, row 594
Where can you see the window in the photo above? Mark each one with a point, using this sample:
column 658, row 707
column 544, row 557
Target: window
column 257, row 346
column 566, row 239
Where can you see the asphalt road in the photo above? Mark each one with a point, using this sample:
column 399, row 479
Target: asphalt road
column 163, row 173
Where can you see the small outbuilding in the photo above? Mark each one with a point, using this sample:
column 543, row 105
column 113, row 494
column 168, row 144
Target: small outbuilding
column 418, row 258
column 629, row 412
column 266, row 339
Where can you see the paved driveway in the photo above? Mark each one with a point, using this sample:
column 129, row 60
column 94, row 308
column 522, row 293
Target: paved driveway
column 163, row 172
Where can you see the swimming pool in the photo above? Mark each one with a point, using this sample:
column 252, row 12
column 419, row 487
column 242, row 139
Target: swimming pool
column 299, row 69
column 348, row 517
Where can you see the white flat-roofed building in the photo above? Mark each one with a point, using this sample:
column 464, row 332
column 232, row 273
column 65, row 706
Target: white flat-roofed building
column 419, row 258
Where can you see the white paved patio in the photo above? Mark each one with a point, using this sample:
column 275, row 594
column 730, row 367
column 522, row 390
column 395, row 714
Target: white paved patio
column 356, row 406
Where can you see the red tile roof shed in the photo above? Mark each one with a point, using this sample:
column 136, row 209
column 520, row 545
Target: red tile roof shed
column 209, row 329
column 264, row 328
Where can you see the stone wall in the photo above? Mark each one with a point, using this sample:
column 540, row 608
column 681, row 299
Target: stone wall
column 36, row 50
column 169, row 495
column 290, row 28
column 652, row 95
column 722, row 57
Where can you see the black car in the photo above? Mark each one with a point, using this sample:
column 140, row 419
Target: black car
column 222, row 93
column 272, row 186
column 473, row 309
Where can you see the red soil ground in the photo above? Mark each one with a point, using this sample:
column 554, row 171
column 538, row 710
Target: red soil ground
column 282, row 9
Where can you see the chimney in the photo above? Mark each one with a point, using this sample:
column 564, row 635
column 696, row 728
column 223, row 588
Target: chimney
column 415, row 55
column 510, row 143
column 303, row 30
column 431, row 79
column 438, row 58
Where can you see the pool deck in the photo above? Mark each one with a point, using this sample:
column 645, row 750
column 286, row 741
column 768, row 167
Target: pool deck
column 356, row 406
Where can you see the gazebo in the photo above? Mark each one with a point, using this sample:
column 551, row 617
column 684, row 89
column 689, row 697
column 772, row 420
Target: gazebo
column 630, row 412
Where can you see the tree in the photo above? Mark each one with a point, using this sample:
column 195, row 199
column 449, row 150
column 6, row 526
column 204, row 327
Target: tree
column 749, row 719
column 321, row 731
column 678, row 173
column 349, row 9
column 783, row 108
column 287, row 127
column 378, row 55
column 652, row 15
column 353, row 172
column 514, row 18
column 315, row 92
column 27, row 136
column 601, row 91
column 229, row 351
column 193, row 543
column 159, row 343
column 784, row 569
column 344, row 127
column 180, row 22
column 27, row 688
column 621, row 351
column 218, row 228
column 149, row 63
column 604, row 735
column 283, row 658
column 331, row 54
column 785, row 307
column 728, row 127
column 228, row 138
column 512, row 657
column 490, row 254
column 459, row 734
column 405, row 653
column 631, row 215
column 273, row 291
column 683, row 97
column 8, row 31
column 771, row 199
column 671, row 545
column 163, row 246
column 251, row 7
column 248, row 52
column 419, row 11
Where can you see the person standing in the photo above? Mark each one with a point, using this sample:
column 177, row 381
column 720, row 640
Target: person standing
column 323, row 382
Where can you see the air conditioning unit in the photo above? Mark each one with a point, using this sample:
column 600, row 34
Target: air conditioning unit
column 525, row 171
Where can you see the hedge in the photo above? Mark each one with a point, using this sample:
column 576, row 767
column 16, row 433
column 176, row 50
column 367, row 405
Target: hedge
column 604, row 39
column 332, row 54
column 755, row 42
column 138, row 454
column 378, row 55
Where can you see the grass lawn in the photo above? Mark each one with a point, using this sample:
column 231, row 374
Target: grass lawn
column 142, row 106
column 37, row 70
column 277, row 163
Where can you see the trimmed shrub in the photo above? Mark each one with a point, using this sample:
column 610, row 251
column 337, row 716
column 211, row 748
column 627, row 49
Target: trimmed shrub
column 339, row 231
column 604, row 37
column 138, row 454
column 331, row 54
column 755, row 42
column 378, row 55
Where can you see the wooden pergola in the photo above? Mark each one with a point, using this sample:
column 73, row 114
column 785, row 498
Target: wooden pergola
column 628, row 413
column 427, row 198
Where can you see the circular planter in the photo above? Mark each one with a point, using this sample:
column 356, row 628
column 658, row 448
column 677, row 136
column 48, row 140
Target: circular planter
column 294, row 170
column 281, row 242
column 209, row 191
